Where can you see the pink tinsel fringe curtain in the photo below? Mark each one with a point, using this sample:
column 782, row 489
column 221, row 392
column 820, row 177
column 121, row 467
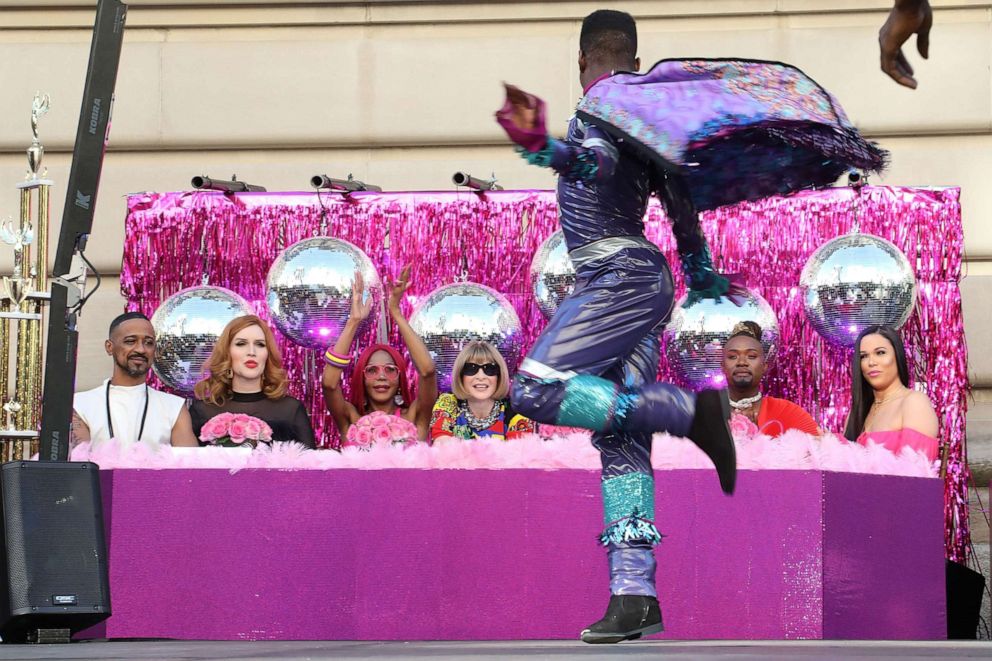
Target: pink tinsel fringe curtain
column 177, row 240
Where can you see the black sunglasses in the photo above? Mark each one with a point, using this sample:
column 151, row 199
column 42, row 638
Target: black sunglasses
column 489, row 369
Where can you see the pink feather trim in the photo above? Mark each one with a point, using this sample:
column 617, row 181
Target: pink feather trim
column 793, row 450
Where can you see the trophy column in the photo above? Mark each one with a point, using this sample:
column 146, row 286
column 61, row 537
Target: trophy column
column 24, row 297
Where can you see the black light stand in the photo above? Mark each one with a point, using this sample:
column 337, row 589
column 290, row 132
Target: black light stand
column 77, row 221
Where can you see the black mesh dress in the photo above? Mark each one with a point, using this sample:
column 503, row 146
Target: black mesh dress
column 287, row 416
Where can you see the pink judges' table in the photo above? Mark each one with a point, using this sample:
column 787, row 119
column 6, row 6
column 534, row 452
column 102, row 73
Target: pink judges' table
column 511, row 554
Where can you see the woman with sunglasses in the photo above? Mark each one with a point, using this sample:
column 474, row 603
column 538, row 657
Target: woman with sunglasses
column 479, row 406
column 379, row 379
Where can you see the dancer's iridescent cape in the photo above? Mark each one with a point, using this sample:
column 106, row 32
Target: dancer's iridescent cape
column 736, row 129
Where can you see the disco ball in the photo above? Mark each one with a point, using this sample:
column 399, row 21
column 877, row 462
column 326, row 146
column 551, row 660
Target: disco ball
column 309, row 289
column 856, row 281
column 187, row 324
column 453, row 315
column 552, row 276
column 695, row 336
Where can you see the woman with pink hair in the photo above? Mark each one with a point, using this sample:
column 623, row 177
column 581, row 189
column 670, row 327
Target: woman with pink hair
column 379, row 378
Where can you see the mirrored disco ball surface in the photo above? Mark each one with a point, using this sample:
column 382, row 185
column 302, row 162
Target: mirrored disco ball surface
column 309, row 289
column 552, row 276
column 453, row 315
column 856, row 281
column 695, row 336
column 187, row 324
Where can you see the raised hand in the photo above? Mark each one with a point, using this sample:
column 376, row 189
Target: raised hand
column 523, row 118
column 737, row 293
column 361, row 305
column 397, row 288
column 726, row 286
column 908, row 17
column 523, row 107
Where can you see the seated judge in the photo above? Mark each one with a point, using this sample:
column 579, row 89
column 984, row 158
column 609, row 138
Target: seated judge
column 124, row 406
column 245, row 375
column 744, row 365
column 478, row 406
column 884, row 409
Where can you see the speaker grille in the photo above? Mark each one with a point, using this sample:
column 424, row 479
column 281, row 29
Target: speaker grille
column 53, row 538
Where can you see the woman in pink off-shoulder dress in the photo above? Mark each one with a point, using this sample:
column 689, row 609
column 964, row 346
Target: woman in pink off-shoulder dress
column 884, row 409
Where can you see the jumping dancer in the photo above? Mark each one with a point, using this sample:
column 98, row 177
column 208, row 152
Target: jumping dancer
column 685, row 131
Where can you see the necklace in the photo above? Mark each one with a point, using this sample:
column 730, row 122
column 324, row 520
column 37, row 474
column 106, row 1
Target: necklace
column 110, row 419
column 746, row 402
column 482, row 423
column 879, row 402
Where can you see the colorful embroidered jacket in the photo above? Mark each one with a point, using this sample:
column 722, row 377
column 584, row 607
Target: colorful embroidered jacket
column 449, row 418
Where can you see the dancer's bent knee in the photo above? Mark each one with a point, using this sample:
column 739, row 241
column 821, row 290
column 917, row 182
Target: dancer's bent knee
column 592, row 402
column 565, row 398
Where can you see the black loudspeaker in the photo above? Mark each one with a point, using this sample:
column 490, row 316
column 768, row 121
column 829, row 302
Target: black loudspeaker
column 964, row 601
column 53, row 566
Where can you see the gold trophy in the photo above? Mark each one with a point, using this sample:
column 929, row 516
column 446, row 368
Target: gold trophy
column 17, row 287
column 36, row 151
column 24, row 294
column 12, row 408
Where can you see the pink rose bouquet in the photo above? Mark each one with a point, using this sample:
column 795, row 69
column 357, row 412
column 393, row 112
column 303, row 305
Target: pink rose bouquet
column 380, row 427
column 235, row 430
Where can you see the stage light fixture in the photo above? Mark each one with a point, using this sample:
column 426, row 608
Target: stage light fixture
column 203, row 182
column 349, row 185
column 468, row 181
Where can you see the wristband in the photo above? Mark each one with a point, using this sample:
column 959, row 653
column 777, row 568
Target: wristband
column 336, row 360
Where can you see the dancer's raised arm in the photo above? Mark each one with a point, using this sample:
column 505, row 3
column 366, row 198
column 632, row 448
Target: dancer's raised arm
column 522, row 117
column 339, row 356
column 421, row 357
column 908, row 17
column 701, row 279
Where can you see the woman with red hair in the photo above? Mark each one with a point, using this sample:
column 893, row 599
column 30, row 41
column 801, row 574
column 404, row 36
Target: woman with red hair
column 245, row 375
column 378, row 380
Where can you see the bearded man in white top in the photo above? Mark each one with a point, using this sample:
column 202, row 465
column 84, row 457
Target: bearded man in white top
column 124, row 407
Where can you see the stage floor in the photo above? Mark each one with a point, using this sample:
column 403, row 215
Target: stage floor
column 501, row 651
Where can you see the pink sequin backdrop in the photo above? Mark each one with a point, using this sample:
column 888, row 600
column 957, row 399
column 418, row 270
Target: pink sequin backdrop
column 173, row 240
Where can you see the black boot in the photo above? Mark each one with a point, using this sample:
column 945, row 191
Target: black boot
column 711, row 433
column 628, row 617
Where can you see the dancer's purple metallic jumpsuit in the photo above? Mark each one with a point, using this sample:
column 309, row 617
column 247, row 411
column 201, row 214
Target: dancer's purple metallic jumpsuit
column 595, row 365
